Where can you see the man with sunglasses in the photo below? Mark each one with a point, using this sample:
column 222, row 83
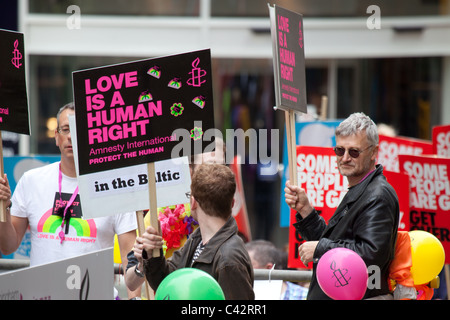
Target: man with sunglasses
column 367, row 218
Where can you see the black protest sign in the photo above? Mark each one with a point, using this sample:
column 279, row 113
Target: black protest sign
column 126, row 114
column 289, row 59
column 13, row 93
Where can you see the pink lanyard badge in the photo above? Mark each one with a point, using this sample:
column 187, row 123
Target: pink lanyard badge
column 69, row 204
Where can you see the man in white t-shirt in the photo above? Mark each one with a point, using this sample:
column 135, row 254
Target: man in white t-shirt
column 46, row 200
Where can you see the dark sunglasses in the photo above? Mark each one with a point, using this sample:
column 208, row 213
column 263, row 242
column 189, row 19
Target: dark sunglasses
column 354, row 153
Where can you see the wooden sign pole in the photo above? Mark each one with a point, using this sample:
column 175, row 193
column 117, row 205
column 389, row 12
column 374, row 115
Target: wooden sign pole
column 447, row 279
column 154, row 222
column 324, row 108
column 141, row 229
column 291, row 144
column 2, row 172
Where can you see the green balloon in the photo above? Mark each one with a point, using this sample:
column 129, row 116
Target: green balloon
column 189, row 284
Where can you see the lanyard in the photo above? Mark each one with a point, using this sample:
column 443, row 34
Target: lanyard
column 69, row 204
column 366, row 176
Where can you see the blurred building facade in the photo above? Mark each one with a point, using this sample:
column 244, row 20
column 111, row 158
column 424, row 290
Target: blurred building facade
column 393, row 64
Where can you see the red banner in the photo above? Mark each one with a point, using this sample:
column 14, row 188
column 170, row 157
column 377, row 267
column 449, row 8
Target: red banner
column 319, row 176
column 400, row 182
column 429, row 195
column 391, row 147
column 240, row 207
column 441, row 141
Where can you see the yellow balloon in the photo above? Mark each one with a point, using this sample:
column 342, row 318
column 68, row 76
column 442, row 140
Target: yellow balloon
column 428, row 256
column 117, row 257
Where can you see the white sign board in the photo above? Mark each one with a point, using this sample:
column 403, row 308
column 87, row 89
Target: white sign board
column 126, row 189
column 86, row 277
column 267, row 290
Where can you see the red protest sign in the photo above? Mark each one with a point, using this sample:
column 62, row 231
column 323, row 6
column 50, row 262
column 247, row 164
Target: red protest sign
column 391, row 147
column 240, row 207
column 429, row 195
column 441, row 140
column 319, row 176
column 400, row 182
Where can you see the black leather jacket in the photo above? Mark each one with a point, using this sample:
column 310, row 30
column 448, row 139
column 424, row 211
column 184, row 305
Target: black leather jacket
column 224, row 257
column 366, row 222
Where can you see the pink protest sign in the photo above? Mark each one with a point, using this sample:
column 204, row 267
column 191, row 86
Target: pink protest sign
column 128, row 114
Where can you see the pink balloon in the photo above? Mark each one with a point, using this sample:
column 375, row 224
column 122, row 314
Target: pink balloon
column 342, row 274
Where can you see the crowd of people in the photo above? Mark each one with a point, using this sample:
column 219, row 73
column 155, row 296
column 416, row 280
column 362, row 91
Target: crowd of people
column 366, row 220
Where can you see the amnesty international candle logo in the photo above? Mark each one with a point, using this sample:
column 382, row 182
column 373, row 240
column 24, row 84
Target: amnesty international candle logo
column 339, row 275
column 17, row 56
column 197, row 75
column 126, row 114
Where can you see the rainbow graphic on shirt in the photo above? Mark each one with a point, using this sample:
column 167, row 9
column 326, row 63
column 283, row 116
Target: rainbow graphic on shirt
column 51, row 224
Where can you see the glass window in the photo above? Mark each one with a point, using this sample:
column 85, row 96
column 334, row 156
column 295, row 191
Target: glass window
column 402, row 92
column 118, row 7
column 51, row 88
column 330, row 8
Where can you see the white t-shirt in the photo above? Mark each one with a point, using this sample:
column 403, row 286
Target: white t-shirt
column 35, row 197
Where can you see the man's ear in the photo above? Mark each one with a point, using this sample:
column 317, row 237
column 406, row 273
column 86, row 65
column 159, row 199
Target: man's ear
column 375, row 153
column 269, row 265
column 56, row 138
column 193, row 203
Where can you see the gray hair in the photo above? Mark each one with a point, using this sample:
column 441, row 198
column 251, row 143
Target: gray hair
column 358, row 122
column 265, row 252
column 70, row 106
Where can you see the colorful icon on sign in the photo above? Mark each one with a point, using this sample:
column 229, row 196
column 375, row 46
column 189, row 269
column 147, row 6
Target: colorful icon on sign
column 155, row 71
column 17, row 55
column 300, row 35
column 175, row 83
column 196, row 133
column 145, row 96
column 196, row 74
column 176, row 109
column 199, row 101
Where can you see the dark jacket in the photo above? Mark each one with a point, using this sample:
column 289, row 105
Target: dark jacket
column 224, row 257
column 366, row 222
